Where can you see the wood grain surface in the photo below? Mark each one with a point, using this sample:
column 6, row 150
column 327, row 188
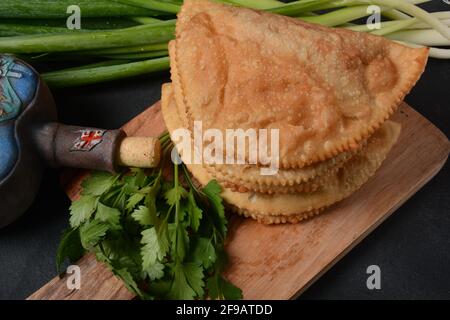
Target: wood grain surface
column 280, row 262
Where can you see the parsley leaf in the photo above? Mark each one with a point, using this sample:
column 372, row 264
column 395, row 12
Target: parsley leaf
column 70, row 247
column 143, row 216
column 194, row 276
column 108, row 215
column 195, row 213
column 179, row 239
column 175, row 194
column 187, row 282
column 98, row 183
column 153, row 271
column 133, row 200
column 162, row 238
column 204, row 252
column 212, row 191
column 91, row 233
column 82, row 209
column 128, row 280
column 153, row 250
column 220, row 288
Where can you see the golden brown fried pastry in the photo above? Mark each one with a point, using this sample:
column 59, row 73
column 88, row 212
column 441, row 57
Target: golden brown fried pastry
column 308, row 186
column 248, row 177
column 244, row 178
column 280, row 208
column 325, row 89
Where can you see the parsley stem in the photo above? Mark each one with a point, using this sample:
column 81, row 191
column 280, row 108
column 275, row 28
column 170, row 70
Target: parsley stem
column 177, row 203
column 189, row 180
column 177, row 209
column 115, row 203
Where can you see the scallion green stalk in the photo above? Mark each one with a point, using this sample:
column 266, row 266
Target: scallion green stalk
column 145, row 34
column 99, row 64
column 70, row 78
column 137, row 56
column 256, row 4
column 44, row 9
column 145, row 20
column 153, row 5
column 133, row 49
column 10, row 29
column 296, row 7
column 124, row 46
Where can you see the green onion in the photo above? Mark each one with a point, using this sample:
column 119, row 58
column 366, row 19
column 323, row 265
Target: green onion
column 106, row 23
column 9, row 29
column 402, row 24
column 50, row 9
column 134, row 49
column 423, row 37
column 137, row 56
column 415, row 11
column 145, row 34
column 70, row 78
column 421, row 25
column 385, row 27
column 338, row 17
column 256, row 4
column 440, row 53
column 145, row 20
column 296, row 7
column 410, row 23
column 99, row 64
column 348, row 3
column 128, row 31
column 153, row 5
column 335, row 4
column 395, row 15
column 437, row 53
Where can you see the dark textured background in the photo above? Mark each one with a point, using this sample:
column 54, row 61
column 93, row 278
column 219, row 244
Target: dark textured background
column 412, row 247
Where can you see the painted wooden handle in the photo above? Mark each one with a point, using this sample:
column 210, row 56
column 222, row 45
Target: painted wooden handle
column 142, row 152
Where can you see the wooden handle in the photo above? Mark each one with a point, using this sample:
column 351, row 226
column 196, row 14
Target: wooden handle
column 142, row 152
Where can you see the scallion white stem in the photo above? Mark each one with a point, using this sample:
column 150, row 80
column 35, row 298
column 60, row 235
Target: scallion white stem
column 429, row 37
column 437, row 53
column 338, row 17
column 416, row 12
column 396, row 25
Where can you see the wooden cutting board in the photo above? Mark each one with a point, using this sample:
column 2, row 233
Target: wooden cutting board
column 280, row 262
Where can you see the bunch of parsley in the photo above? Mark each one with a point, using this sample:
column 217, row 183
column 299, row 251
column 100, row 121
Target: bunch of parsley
column 164, row 240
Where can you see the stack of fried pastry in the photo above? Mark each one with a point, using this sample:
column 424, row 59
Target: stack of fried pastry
column 330, row 93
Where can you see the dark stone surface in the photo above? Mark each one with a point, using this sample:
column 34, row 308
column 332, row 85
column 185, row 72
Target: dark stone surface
column 411, row 247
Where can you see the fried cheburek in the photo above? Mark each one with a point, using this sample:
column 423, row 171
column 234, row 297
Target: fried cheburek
column 281, row 208
column 325, row 89
column 328, row 91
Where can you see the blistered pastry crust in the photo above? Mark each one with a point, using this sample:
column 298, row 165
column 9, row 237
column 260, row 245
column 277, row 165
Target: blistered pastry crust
column 325, row 89
column 295, row 207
